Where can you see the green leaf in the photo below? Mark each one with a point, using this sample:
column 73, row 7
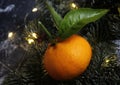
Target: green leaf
column 56, row 17
column 77, row 19
column 45, row 29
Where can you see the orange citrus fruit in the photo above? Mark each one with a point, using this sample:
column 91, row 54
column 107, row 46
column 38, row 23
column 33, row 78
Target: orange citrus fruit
column 67, row 59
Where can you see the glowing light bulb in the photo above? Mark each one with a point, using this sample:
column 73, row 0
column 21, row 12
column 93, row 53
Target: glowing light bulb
column 30, row 41
column 34, row 9
column 10, row 35
column 73, row 5
column 34, row 35
column 107, row 60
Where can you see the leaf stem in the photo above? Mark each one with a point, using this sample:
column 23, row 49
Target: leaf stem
column 45, row 29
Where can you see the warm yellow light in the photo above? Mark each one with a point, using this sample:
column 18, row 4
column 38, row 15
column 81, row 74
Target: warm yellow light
column 107, row 61
column 30, row 41
column 73, row 5
column 10, row 35
column 34, row 35
column 31, row 37
column 34, row 9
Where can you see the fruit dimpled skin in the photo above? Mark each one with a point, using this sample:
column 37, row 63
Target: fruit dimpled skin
column 67, row 59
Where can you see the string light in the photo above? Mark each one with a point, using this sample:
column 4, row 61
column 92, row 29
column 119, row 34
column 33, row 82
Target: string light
column 10, row 35
column 34, row 9
column 107, row 60
column 34, row 35
column 30, row 41
column 73, row 6
column 31, row 38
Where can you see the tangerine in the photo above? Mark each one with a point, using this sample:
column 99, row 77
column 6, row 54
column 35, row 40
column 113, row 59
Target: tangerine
column 67, row 59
